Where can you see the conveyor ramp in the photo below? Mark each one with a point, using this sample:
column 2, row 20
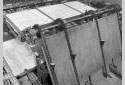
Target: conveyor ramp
column 84, row 40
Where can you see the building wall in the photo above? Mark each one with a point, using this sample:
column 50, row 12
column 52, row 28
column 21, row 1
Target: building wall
column 114, row 2
column 109, row 1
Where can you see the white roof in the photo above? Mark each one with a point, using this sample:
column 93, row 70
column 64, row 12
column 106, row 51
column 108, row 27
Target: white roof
column 18, row 56
column 27, row 18
column 59, row 11
column 79, row 6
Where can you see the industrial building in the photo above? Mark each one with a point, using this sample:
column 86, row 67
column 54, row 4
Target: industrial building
column 62, row 42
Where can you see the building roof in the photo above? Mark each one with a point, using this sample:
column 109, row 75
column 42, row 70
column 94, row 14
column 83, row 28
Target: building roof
column 18, row 56
column 46, row 14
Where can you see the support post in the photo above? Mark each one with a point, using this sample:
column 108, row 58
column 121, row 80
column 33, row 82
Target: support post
column 90, row 81
column 38, row 66
column 72, row 55
column 117, row 9
column 105, row 73
column 47, row 58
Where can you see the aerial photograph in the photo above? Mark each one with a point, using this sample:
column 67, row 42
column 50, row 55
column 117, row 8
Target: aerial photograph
column 62, row 42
